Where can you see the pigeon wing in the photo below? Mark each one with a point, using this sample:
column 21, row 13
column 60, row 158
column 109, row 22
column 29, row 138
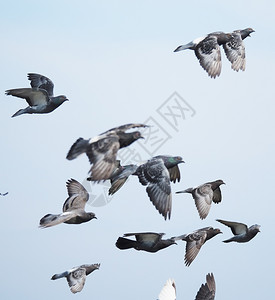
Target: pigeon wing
column 78, row 196
column 217, row 195
column 76, row 280
column 34, row 97
column 207, row 291
column 236, row 228
column 203, row 198
column 168, row 292
column 41, row 82
column 209, row 55
column 125, row 127
column 146, row 237
column 193, row 246
column 102, row 156
column 235, row 52
column 174, row 174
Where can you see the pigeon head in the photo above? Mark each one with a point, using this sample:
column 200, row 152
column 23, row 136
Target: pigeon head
column 126, row 139
column 217, row 183
column 59, row 100
column 212, row 232
column 255, row 228
column 171, row 161
column 246, row 32
column 91, row 216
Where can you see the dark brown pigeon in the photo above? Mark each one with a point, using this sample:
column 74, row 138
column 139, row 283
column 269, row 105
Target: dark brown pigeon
column 242, row 233
column 73, row 208
column 195, row 240
column 102, row 150
column 207, row 291
column 145, row 241
column 204, row 195
column 76, row 277
column 39, row 97
column 156, row 174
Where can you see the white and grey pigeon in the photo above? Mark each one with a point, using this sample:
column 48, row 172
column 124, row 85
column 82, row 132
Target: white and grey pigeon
column 39, row 97
column 156, row 174
column 195, row 240
column 145, row 241
column 73, row 208
column 242, row 233
column 204, row 195
column 207, row 291
column 76, row 277
column 102, row 149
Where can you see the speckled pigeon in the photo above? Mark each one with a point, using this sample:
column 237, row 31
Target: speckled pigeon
column 207, row 291
column 204, row 195
column 242, row 233
column 39, row 97
column 102, row 150
column 76, row 277
column 145, row 241
column 120, row 176
column 235, row 49
column 207, row 50
column 73, row 208
column 156, row 174
column 195, row 240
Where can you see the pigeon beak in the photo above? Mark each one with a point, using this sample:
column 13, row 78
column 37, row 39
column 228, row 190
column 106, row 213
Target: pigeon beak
column 182, row 161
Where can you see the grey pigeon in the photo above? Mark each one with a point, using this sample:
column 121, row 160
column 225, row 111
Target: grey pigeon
column 120, row 176
column 235, row 49
column 195, row 240
column 207, row 291
column 145, row 241
column 204, row 195
column 207, row 50
column 76, row 277
column 39, row 97
column 242, row 233
column 73, row 208
column 156, row 174
column 102, row 150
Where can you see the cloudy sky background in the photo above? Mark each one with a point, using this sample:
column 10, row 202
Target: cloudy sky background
column 115, row 62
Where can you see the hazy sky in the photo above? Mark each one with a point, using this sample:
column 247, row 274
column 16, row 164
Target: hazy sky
column 115, row 63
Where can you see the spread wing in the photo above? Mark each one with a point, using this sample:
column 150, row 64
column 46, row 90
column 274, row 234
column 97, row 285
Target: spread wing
column 193, row 246
column 235, row 52
column 146, row 237
column 207, row 291
column 32, row 96
column 168, row 292
column 217, row 195
column 236, row 228
column 102, row 155
column 203, row 198
column 125, row 127
column 41, row 82
column 209, row 55
column 155, row 175
column 76, row 280
column 78, row 196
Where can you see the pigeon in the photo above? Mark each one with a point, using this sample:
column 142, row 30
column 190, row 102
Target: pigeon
column 39, row 97
column 102, row 150
column 156, row 174
column 120, row 176
column 242, row 233
column 207, row 50
column 204, row 195
column 168, row 292
column 195, row 240
column 5, row 194
column 235, row 50
column 207, row 291
column 76, row 277
column 73, row 208
column 145, row 241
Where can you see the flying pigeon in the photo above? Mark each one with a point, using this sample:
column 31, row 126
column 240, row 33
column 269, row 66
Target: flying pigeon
column 4, row 194
column 242, row 233
column 39, row 97
column 73, row 208
column 145, row 241
column 76, row 277
column 156, row 174
column 235, row 49
column 206, row 292
column 195, row 240
column 120, row 176
column 204, row 195
column 208, row 51
column 102, row 150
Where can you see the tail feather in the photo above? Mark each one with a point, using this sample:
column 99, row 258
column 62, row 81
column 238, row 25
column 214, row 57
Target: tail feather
column 61, row 275
column 123, row 243
column 20, row 112
column 189, row 190
column 184, row 47
column 180, row 237
column 79, row 147
column 51, row 220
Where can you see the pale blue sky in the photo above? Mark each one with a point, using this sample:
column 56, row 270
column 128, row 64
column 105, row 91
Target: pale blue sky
column 115, row 62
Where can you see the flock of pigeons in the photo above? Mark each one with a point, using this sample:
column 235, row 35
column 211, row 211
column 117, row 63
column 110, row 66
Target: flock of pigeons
column 156, row 174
